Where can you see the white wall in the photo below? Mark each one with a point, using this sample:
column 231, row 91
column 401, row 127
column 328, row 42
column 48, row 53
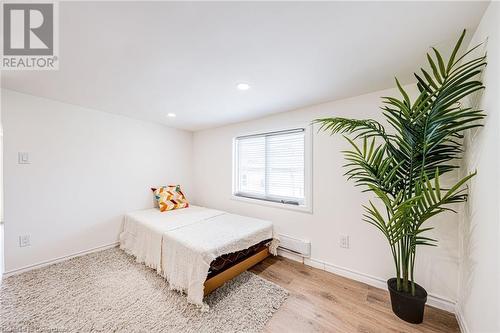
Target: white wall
column 479, row 291
column 87, row 169
column 336, row 203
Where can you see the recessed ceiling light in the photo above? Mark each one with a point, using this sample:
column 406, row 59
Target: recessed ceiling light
column 243, row 86
column 171, row 115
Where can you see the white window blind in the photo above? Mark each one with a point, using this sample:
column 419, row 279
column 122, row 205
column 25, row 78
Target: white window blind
column 270, row 166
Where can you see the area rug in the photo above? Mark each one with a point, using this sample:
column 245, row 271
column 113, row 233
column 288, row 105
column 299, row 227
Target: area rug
column 108, row 291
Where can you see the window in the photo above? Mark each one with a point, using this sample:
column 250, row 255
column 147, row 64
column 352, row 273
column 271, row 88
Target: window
column 271, row 167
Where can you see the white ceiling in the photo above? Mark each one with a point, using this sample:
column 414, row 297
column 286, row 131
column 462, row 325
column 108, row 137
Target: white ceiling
column 145, row 60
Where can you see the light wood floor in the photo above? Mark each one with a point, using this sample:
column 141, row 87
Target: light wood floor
column 324, row 302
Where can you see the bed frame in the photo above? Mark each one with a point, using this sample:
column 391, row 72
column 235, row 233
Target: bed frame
column 218, row 280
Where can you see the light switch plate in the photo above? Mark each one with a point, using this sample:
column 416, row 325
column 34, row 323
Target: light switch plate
column 24, row 158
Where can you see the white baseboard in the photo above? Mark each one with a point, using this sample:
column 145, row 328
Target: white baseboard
column 432, row 300
column 59, row 259
column 461, row 320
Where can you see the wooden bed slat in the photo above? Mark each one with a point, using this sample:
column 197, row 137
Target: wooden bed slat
column 219, row 279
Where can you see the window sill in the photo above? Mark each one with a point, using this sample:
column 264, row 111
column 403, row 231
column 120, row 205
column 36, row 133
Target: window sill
column 300, row 208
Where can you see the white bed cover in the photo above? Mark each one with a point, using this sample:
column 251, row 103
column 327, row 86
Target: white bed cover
column 180, row 244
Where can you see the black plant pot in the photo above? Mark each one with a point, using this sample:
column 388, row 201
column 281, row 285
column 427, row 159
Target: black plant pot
column 406, row 306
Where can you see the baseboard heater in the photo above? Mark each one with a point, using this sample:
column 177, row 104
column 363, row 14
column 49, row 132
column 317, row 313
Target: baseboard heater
column 297, row 246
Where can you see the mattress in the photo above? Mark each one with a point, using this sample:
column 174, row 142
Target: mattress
column 142, row 231
column 182, row 244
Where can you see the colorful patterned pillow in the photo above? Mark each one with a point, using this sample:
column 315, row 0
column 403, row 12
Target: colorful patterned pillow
column 170, row 197
column 155, row 202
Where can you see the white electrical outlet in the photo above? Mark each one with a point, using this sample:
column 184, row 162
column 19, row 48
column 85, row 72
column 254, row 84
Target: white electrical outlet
column 344, row 241
column 24, row 240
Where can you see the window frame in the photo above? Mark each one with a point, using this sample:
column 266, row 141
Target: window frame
column 306, row 206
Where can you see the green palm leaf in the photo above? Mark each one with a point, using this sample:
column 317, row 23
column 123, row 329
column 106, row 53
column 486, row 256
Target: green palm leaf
column 402, row 165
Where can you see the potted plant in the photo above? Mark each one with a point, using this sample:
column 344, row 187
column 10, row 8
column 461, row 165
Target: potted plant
column 402, row 167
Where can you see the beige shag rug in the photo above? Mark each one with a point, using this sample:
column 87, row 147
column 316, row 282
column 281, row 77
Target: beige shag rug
column 108, row 291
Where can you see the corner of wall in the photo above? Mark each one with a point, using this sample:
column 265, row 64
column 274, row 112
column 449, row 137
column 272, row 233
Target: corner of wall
column 478, row 303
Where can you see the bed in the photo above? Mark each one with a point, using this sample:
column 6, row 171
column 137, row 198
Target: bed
column 196, row 249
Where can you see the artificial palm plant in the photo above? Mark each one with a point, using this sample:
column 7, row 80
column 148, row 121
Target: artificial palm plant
column 402, row 167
